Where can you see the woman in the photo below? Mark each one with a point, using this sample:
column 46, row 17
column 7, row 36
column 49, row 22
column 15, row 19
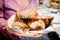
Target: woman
column 13, row 5
column 8, row 8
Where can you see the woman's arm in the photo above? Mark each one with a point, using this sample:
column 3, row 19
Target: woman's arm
column 9, row 12
column 2, row 19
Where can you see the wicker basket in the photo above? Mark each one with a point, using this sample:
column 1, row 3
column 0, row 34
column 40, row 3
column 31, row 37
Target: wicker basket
column 23, row 36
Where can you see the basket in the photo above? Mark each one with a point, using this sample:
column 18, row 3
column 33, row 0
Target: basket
column 23, row 36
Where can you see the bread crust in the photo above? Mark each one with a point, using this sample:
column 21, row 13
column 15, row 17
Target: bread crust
column 28, row 13
column 36, row 25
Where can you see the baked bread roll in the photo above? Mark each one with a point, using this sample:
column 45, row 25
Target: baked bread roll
column 28, row 13
column 32, row 14
column 21, row 26
column 47, row 19
column 36, row 25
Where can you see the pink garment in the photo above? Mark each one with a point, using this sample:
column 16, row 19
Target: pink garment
column 1, row 3
column 13, row 5
column 10, row 8
column 1, row 14
column 2, row 20
column 9, row 13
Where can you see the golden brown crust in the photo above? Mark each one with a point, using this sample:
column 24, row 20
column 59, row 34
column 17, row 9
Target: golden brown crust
column 21, row 26
column 47, row 19
column 28, row 13
column 36, row 25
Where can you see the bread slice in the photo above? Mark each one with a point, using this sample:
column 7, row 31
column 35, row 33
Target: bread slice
column 36, row 25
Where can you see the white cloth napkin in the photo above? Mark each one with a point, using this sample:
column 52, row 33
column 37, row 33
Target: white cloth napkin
column 47, row 30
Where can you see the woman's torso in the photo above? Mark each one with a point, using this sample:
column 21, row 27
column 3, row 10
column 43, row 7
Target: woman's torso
column 12, row 4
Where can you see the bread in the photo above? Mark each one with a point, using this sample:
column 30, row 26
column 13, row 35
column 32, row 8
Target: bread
column 28, row 13
column 32, row 20
column 47, row 19
column 36, row 25
column 21, row 26
column 32, row 14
